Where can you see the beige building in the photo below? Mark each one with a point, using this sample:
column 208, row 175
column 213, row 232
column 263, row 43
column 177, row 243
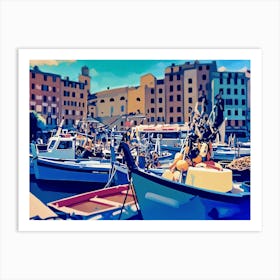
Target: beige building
column 190, row 92
column 111, row 102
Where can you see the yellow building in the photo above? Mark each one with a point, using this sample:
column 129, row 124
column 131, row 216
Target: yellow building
column 137, row 95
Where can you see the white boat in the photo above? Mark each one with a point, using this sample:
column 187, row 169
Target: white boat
column 57, row 163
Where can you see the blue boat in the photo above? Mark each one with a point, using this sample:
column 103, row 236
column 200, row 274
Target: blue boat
column 160, row 198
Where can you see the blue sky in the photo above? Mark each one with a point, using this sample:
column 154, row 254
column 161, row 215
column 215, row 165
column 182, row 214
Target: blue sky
column 118, row 73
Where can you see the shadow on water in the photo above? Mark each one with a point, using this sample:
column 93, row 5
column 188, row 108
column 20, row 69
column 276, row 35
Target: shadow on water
column 48, row 191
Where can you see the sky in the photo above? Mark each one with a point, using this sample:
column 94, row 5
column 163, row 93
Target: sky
column 120, row 73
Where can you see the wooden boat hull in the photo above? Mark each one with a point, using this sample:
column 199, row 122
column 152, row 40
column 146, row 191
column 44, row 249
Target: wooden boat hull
column 162, row 199
column 106, row 204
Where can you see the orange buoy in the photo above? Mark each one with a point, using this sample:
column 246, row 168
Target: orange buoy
column 182, row 165
column 197, row 160
column 178, row 156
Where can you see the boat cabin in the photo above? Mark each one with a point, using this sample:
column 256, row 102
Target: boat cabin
column 62, row 147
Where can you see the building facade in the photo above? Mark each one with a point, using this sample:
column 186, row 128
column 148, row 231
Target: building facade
column 44, row 95
column 55, row 98
column 235, row 95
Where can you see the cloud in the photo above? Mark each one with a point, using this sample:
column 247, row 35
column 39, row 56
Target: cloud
column 93, row 72
column 222, row 69
column 49, row 62
column 244, row 69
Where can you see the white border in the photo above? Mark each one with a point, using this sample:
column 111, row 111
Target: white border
column 24, row 57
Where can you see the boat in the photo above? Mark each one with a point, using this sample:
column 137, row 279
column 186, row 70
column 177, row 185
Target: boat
column 201, row 193
column 76, row 170
column 113, row 203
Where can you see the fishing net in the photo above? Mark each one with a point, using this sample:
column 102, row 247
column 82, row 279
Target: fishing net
column 240, row 164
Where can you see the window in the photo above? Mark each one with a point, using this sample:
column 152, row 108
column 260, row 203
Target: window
column 160, row 100
column 229, row 112
column 122, row 98
column 235, row 91
column 64, row 103
column 236, row 122
column 53, row 99
column 44, row 98
column 72, row 103
column 86, row 82
column 33, row 75
column 44, row 88
column 73, row 94
column 171, row 98
column 243, row 91
column 82, row 86
column 178, row 97
column 243, row 102
column 152, row 100
column 33, row 96
column 53, row 110
column 83, row 104
column 81, row 95
column 63, row 145
column 152, row 119
column 207, row 67
column 203, row 77
column 66, row 112
column 228, row 101
column 160, row 110
column 122, row 108
column 221, row 81
column 243, row 113
column 170, row 78
column 190, row 90
column 102, row 101
column 171, row 109
column 200, row 68
column 235, row 101
column 54, row 89
column 178, row 77
column 152, row 110
column 81, row 113
column 179, row 109
column 190, row 81
column 228, row 91
column 243, row 123
column 190, row 109
column 73, row 112
column 44, row 110
column 190, row 99
column 236, row 112
column 138, row 99
column 66, row 93
column 171, row 88
column 45, row 77
column 179, row 119
column 242, row 81
column 178, row 87
column 54, row 78
column 171, row 120
column 152, row 91
column 32, row 107
column 160, row 90
column 33, row 86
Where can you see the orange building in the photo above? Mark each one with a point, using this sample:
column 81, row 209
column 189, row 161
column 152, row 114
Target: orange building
column 54, row 97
